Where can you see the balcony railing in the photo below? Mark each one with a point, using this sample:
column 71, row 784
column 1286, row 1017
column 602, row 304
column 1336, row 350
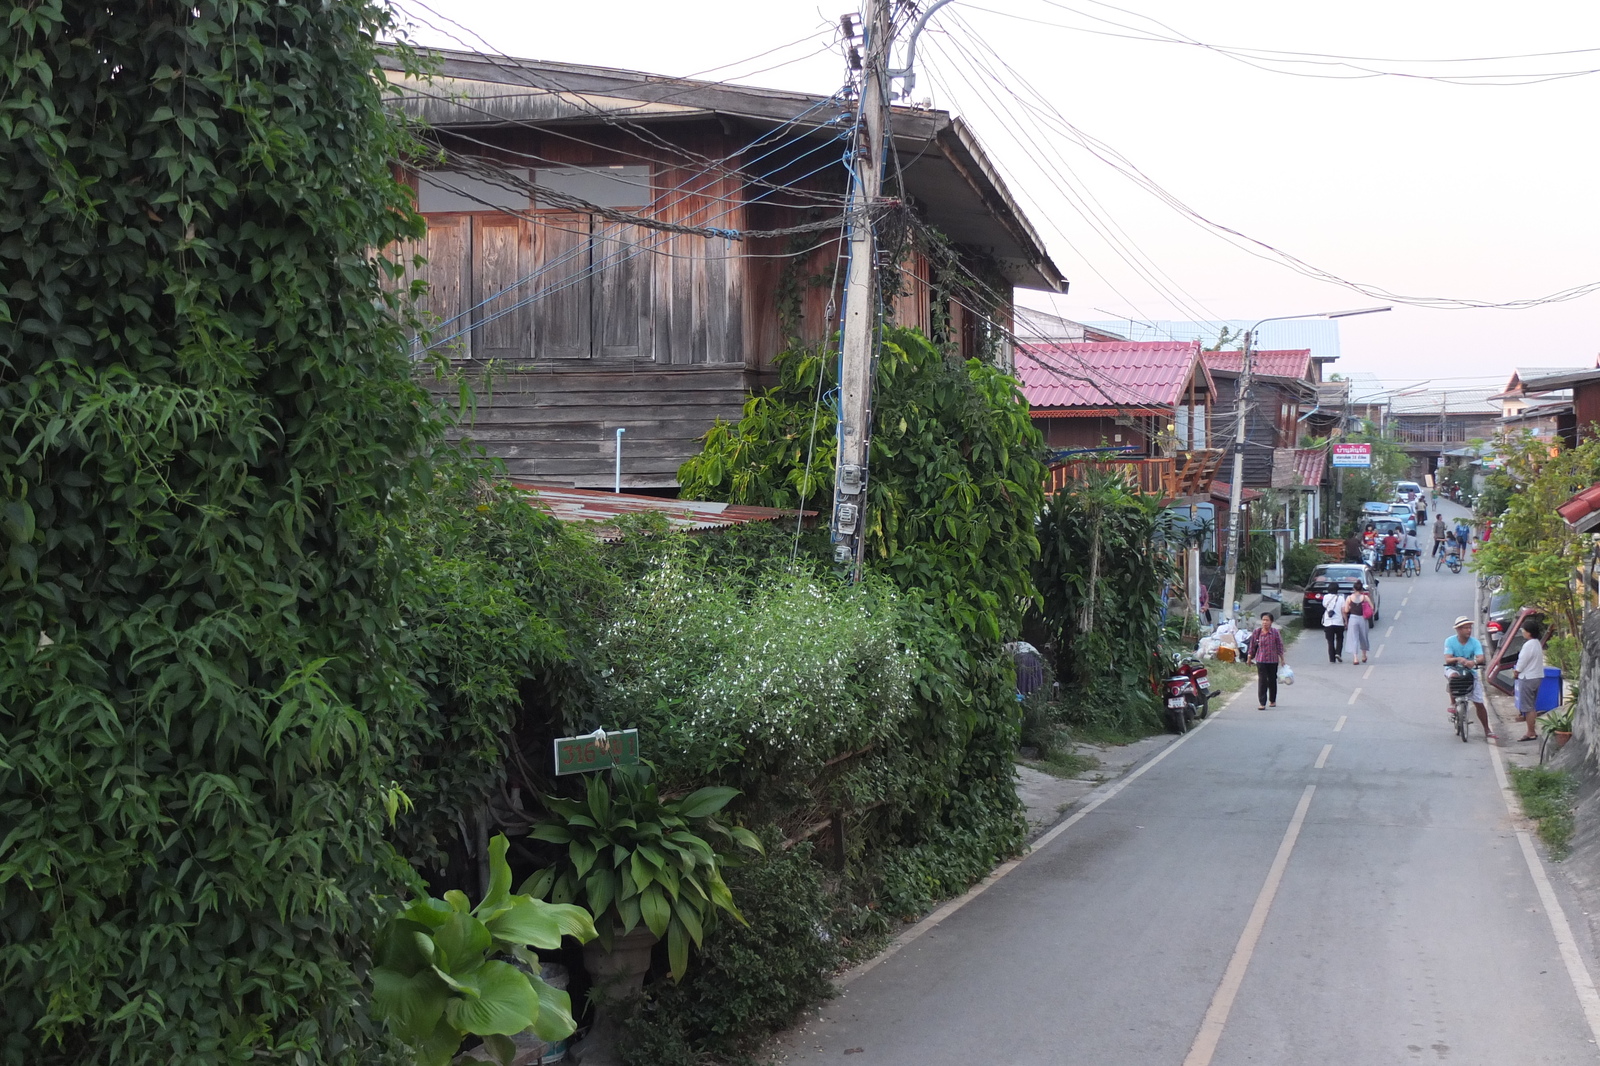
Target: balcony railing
column 1186, row 474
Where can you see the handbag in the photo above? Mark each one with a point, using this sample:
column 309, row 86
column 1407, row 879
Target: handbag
column 1366, row 609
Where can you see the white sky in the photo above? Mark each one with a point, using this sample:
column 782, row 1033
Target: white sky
column 1426, row 189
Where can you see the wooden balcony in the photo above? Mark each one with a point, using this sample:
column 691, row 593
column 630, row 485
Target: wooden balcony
column 1186, row 474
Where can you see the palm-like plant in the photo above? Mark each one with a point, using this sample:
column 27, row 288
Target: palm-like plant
column 633, row 857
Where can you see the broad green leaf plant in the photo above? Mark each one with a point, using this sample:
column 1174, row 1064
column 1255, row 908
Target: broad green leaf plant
column 443, row 973
column 632, row 857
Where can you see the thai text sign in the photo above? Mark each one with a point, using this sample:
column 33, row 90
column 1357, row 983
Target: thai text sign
column 1352, row 455
column 599, row 750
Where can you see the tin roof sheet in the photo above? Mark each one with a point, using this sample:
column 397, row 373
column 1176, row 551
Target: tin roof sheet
column 602, row 508
column 1107, row 373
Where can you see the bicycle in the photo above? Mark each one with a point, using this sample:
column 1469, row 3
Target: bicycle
column 1461, row 684
column 1413, row 565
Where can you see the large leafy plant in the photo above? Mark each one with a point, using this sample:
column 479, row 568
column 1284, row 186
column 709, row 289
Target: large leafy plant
column 442, row 973
column 633, row 857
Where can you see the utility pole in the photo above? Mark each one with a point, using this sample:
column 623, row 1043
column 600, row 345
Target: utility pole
column 859, row 332
column 1236, row 490
column 1241, row 409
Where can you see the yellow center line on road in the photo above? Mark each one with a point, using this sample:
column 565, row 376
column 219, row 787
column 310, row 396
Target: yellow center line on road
column 1339, row 728
column 1204, row 1048
column 1322, row 760
column 1354, row 694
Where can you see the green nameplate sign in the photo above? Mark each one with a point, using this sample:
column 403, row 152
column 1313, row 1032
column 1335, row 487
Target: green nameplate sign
column 576, row 755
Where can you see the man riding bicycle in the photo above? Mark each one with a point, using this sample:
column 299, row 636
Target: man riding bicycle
column 1463, row 652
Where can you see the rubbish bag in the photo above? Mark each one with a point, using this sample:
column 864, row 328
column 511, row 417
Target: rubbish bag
column 1286, row 674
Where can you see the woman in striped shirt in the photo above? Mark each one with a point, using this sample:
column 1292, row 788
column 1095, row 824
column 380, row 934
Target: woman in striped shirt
column 1266, row 651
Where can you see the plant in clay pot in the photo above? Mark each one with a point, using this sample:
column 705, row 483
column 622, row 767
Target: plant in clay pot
column 444, row 971
column 1559, row 724
column 635, row 860
column 648, row 869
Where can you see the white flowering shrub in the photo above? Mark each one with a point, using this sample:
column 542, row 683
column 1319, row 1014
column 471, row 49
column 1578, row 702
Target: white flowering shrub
column 790, row 669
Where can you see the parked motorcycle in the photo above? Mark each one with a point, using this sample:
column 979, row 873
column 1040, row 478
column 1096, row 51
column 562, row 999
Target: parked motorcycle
column 1183, row 699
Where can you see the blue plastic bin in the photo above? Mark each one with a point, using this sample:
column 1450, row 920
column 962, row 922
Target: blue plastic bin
column 1549, row 690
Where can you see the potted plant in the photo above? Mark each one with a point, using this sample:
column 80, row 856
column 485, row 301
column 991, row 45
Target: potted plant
column 1558, row 724
column 444, row 971
column 647, row 869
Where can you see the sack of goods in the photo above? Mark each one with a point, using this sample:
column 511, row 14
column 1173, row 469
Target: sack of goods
column 1286, row 674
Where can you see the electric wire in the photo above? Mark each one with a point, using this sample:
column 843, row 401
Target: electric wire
column 1052, row 118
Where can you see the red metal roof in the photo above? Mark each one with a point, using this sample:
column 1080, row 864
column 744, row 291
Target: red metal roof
column 1287, row 363
column 1107, row 374
column 592, row 505
column 1309, row 463
column 1222, row 490
column 1581, row 506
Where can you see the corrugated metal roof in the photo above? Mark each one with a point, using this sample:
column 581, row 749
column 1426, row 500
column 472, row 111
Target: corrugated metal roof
column 1445, row 401
column 1106, row 374
column 591, row 505
column 1309, row 464
column 1321, row 335
column 1295, row 363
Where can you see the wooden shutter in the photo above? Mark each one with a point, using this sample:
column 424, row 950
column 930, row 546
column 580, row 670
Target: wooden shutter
column 448, row 274
column 622, row 259
column 563, row 321
column 501, row 328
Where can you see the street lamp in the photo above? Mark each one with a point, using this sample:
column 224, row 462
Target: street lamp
column 1236, row 488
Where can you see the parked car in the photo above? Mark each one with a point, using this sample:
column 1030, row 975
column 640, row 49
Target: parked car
column 1407, row 491
column 1340, row 577
column 1500, row 614
column 1374, row 507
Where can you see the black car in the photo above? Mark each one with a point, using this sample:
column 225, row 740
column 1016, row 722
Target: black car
column 1341, row 578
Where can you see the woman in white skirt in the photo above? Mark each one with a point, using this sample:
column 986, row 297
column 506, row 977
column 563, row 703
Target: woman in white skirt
column 1357, row 613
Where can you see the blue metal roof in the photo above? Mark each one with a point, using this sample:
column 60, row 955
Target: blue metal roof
column 1321, row 335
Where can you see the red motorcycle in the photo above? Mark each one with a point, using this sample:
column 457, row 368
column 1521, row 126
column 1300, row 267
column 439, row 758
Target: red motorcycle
column 1184, row 686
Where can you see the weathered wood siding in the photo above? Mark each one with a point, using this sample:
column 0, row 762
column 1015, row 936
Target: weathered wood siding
column 561, row 427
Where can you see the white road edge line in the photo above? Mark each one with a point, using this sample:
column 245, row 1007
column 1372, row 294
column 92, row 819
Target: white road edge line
column 928, row 924
column 1339, row 727
column 1389, row 632
column 1577, row 972
column 1397, row 615
column 1353, row 695
column 1380, row 650
column 1369, row 672
column 1205, row 1042
column 1322, row 760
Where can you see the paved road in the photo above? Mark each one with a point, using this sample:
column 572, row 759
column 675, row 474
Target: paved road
column 1238, row 904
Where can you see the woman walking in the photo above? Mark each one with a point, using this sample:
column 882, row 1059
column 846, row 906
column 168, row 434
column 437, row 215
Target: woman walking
column 1333, row 625
column 1266, row 650
column 1357, row 611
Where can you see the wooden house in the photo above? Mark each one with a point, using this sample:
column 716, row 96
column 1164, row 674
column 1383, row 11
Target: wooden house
column 1143, row 409
column 614, row 250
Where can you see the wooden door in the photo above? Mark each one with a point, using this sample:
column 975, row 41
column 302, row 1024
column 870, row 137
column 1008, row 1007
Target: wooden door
column 447, row 248
column 501, row 316
column 563, row 320
column 622, row 258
